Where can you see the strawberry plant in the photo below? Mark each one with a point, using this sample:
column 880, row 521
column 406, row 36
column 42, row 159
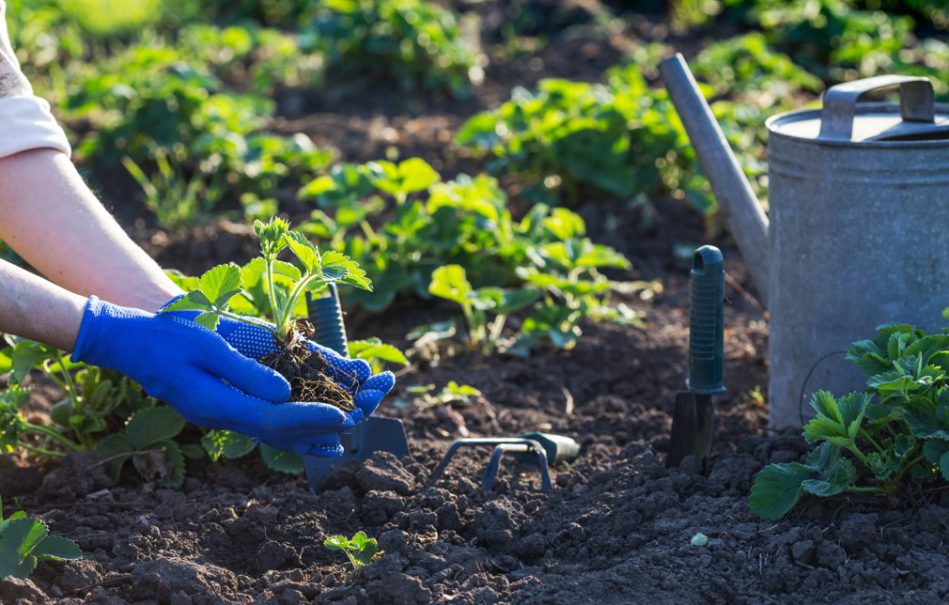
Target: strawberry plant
column 417, row 44
column 360, row 549
column 415, row 234
column 24, row 541
column 102, row 410
column 275, row 289
column 874, row 441
column 451, row 283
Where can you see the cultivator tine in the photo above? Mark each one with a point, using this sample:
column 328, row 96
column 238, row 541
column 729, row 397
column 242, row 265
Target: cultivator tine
column 525, row 449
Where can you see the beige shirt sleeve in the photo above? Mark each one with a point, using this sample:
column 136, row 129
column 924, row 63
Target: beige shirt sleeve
column 25, row 119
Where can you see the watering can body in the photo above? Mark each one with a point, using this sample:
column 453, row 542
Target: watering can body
column 859, row 233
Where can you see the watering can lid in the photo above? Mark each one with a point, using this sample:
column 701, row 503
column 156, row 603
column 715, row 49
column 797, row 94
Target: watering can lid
column 844, row 120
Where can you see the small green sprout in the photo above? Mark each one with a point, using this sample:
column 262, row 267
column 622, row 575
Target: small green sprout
column 24, row 541
column 360, row 549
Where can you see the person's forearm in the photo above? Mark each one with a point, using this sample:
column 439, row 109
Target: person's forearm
column 36, row 309
column 52, row 219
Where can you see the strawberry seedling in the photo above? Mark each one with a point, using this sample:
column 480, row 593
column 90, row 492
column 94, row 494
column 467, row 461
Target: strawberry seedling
column 276, row 288
column 24, row 541
column 360, row 549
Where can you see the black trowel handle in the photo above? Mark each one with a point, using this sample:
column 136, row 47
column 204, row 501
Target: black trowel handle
column 707, row 322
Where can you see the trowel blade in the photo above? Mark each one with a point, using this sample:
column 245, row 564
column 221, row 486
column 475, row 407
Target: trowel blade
column 377, row 434
column 693, row 425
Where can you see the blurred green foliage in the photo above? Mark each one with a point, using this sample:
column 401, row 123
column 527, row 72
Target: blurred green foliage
column 416, row 44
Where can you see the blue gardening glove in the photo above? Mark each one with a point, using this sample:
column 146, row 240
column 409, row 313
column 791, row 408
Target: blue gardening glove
column 205, row 379
column 354, row 375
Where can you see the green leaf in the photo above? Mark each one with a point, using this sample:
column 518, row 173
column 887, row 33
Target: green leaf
column 837, row 421
column 305, row 251
column 19, row 538
column 113, row 445
column 57, row 548
column 336, row 543
column 192, row 301
column 227, row 444
column 271, row 235
column 364, row 548
column 565, row 224
column 373, row 348
column 220, row 283
column 208, row 320
column 338, row 267
column 281, row 461
column 777, row 489
column 451, row 283
column 835, row 473
column 148, row 427
column 26, row 355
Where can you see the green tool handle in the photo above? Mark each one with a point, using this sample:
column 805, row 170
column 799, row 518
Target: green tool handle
column 707, row 322
column 326, row 315
column 559, row 448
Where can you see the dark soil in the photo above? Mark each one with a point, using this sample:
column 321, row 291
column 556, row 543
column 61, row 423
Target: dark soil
column 618, row 524
column 308, row 374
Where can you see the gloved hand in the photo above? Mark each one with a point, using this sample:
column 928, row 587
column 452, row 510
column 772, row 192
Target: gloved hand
column 203, row 377
column 354, row 375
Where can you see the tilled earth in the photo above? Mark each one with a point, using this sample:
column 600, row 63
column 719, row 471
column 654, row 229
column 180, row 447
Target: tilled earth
column 616, row 528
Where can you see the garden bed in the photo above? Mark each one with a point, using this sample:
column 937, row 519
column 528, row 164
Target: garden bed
column 617, row 527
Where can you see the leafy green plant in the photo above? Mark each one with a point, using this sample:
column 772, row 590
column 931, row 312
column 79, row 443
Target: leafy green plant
column 148, row 441
column 416, row 43
column 376, row 353
column 416, row 234
column 567, row 139
column 895, row 430
column 96, row 402
column 269, row 284
column 267, row 290
column 360, row 549
column 24, row 541
column 175, row 199
column 451, row 283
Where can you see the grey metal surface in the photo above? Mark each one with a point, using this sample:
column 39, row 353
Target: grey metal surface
column 744, row 214
column 840, row 103
column 859, row 237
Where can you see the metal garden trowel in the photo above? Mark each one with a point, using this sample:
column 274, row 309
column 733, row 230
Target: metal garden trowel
column 375, row 434
column 693, row 420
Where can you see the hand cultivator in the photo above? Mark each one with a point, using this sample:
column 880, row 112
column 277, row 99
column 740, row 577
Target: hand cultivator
column 377, row 433
column 537, row 450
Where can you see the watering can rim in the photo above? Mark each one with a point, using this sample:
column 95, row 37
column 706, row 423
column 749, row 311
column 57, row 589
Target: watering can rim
column 864, row 109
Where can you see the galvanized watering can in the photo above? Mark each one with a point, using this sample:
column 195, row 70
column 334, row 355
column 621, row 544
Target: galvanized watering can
column 859, row 224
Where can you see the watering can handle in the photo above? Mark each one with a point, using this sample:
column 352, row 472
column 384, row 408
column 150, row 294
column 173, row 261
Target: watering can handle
column 840, row 103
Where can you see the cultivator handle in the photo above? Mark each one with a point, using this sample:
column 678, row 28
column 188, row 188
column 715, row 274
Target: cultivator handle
column 326, row 314
column 707, row 322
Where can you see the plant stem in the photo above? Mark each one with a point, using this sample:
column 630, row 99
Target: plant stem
column 856, row 489
column 298, row 289
column 253, row 321
column 907, row 466
column 271, row 294
column 872, row 441
column 853, row 449
column 48, row 432
column 42, row 451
